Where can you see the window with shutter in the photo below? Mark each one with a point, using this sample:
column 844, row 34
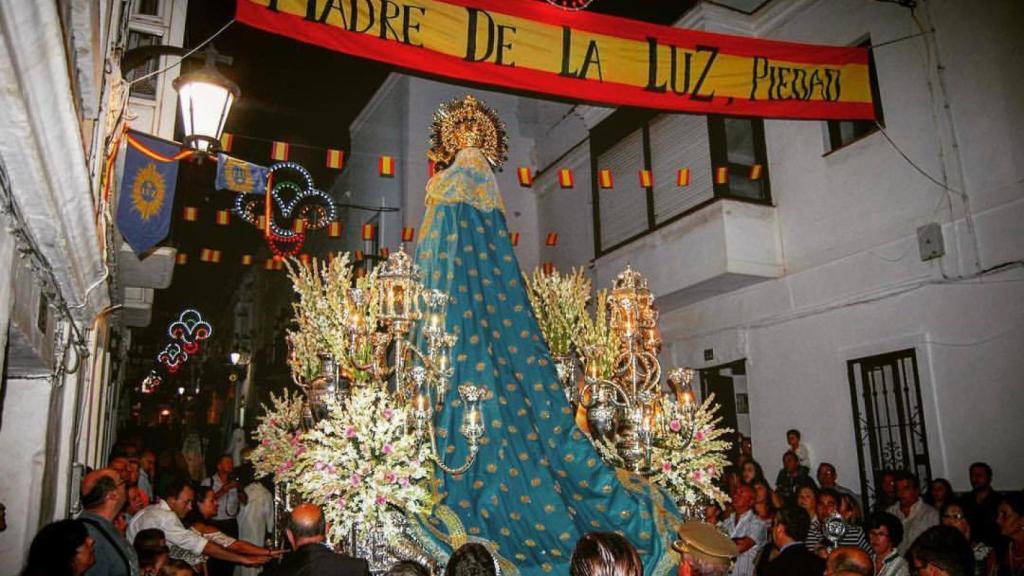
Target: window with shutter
column 679, row 141
column 624, row 206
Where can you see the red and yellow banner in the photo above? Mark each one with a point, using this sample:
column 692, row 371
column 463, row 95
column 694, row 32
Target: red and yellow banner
column 386, row 165
column 565, row 179
column 605, row 179
column 335, row 159
column 223, row 217
column 646, row 179
column 408, row 233
column 279, row 151
column 525, row 177
column 683, row 177
column 536, row 47
column 334, row 229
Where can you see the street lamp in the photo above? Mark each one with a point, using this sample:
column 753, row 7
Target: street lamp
column 205, row 97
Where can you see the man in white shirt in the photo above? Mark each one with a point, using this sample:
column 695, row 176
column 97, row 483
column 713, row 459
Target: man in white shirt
column 746, row 530
column 915, row 514
column 166, row 515
column 255, row 519
column 225, row 490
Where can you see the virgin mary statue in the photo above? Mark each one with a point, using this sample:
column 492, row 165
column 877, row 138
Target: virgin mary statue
column 538, row 484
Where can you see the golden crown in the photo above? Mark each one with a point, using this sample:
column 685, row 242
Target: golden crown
column 467, row 123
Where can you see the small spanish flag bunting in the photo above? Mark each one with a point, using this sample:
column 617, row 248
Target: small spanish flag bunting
column 646, row 180
column 525, row 177
column 223, row 217
column 514, row 237
column 552, row 239
column 722, row 175
column 209, row 255
column 190, row 213
column 299, row 226
column 408, row 233
column 261, row 223
column 246, row 260
column 227, row 140
column 181, row 259
column 385, row 252
column 755, row 171
column 605, row 180
column 269, row 264
column 683, row 178
column 334, row 229
column 386, row 166
column 358, row 256
column 279, row 151
column 369, row 231
column 335, row 159
column 548, row 267
column 565, row 178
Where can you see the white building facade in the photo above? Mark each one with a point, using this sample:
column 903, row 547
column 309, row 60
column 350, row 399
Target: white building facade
column 62, row 337
column 867, row 288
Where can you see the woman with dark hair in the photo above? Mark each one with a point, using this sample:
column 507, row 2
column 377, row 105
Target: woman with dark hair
column 953, row 514
column 940, row 491
column 63, row 548
column 204, row 507
column 751, row 471
column 1010, row 519
column 885, row 533
column 471, row 559
column 807, row 498
column 605, row 554
column 764, row 503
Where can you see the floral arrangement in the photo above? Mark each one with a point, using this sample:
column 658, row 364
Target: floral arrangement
column 331, row 303
column 359, row 460
column 596, row 340
column 279, row 436
column 559, row 303
column 690, row 469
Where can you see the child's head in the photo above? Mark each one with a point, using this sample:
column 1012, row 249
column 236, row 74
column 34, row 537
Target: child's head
column 793, row 437
column 176, row 568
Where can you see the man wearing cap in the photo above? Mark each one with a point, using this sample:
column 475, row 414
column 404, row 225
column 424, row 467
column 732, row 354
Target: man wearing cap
column 704, row 550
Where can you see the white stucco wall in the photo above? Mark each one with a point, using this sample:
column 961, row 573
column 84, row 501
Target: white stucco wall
column 853, row 284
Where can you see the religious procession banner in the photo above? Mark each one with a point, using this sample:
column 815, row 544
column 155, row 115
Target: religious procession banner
column 147, row 190
column 582, row 56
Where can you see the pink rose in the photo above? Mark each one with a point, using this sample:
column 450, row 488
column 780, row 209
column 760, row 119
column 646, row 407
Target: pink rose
column 675, row 425
column 341, row 503
column 666, row 466
column 388, row 449
column 381, row 500
column 331, row 469
column 355, row 479
column 388, row 413
column 350, row 432
column 390, row 477
column 697, row 476
column 273, row 422
column 712, row 471
column 403, row 481
column 699, row 436
column 265, row 442
column 319, row 466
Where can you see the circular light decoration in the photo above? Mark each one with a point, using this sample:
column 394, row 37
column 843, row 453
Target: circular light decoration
column 294, row 198
column 571, row 4
column 151, row 382
column 172, row 357
column 190, row 329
